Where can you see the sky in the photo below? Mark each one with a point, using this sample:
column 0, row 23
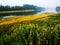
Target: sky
column 41, row 3
column 50, row 5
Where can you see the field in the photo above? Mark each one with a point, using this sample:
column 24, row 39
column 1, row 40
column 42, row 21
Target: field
column 18, row 19
column 39, row 29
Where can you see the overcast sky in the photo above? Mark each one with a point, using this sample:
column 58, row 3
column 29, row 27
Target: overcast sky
column 43, row 3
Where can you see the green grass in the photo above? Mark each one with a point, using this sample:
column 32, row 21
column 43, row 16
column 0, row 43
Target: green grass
column 1, row 18
column 44, row 32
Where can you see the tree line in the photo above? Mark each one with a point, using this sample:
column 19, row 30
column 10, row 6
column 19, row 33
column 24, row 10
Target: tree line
column 58, row 8
column 24, row 7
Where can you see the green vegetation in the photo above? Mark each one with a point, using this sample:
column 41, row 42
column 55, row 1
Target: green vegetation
column 24, row 7
column 58, row 8
column 10, row 10
column 37, row 32
column 1, row 18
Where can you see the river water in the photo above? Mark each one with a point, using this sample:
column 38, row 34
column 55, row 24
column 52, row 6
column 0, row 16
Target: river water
column 50, row 10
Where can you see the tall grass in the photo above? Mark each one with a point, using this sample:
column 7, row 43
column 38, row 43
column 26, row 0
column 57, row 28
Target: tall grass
column 33, row 33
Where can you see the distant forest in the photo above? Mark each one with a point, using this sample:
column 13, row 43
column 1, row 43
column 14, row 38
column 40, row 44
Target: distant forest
column 58, row 8
column 24, row 7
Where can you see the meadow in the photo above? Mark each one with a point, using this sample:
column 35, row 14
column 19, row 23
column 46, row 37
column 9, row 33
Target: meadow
column 32, row 32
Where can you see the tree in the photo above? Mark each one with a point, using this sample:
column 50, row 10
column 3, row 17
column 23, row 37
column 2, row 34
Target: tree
column 57, row 8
